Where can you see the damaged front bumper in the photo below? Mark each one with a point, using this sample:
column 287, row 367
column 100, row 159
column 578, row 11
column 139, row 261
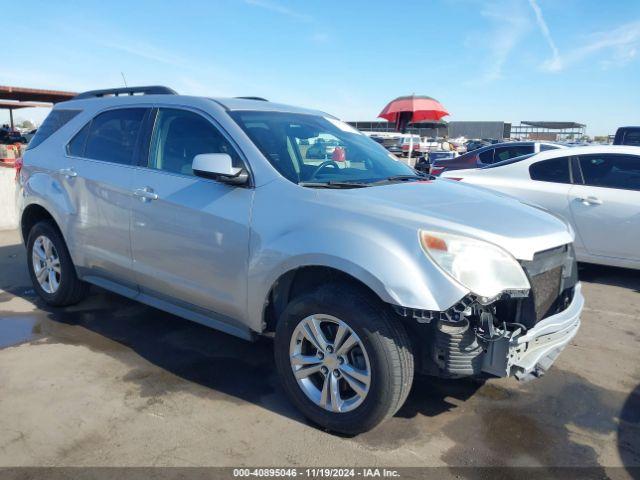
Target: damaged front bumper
column 529, row 355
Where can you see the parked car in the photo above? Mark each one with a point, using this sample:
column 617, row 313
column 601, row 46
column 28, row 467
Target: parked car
column 491, row 154
column 363, row 274
column 424, row 162
column 596, row 189
column 29, row 135
column 9, row 137
column 471, row 145
column 322, row 149
column 413, row 142
column 393, row 145
column 627, row 136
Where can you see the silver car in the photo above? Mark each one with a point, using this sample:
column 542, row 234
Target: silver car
column 363, row 270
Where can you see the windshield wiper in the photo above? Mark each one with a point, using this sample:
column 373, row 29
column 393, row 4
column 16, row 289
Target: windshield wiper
column 334, row 184
column 404, row 178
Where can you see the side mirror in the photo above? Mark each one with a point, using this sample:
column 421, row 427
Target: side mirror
column 219, row 166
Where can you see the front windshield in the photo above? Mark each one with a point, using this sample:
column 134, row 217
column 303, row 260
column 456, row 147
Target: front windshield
column 310, row 149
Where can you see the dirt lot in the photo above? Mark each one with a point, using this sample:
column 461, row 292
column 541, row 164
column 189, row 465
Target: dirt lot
column 111, row 382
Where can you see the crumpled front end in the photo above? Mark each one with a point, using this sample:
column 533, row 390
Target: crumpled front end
column 530, row 354
column 516, row 335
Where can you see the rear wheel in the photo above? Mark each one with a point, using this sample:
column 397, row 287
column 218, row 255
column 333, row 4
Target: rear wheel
column 50, row 267
column 344, row 361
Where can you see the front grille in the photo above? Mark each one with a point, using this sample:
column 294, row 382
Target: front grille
column 553, row 275
column 546, row 289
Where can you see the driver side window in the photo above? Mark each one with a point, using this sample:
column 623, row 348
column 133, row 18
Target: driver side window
column 180, row 135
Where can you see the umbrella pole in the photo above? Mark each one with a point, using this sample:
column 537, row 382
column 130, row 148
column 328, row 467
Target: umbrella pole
column 410, row 150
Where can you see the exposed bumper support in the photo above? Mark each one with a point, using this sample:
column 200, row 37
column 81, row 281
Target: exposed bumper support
column 530, row 355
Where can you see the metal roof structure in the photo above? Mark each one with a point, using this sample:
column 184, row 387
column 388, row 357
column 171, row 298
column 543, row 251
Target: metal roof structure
column 22, row 94
column 13, row 98
column 553, row 125
column 4, row 105
column 549, row 131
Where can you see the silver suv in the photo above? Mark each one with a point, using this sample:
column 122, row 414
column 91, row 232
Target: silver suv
column 363, row 270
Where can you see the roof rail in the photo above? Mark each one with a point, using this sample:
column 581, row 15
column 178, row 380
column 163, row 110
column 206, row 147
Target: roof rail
column 254, row 98
column 116, row 92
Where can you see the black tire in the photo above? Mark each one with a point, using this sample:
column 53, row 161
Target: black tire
column 384, row 338
column 71, row 290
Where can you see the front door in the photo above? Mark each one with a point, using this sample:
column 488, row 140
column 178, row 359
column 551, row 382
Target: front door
column 190, row 235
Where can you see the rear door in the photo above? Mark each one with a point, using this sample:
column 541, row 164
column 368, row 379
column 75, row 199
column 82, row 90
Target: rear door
column 190, row 235
column 606, row 204
column 99, row 169
column 550, row 184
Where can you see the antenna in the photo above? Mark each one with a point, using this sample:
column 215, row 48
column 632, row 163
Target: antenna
column 124, row 80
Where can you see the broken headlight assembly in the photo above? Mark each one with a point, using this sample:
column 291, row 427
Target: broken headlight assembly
column 485, row 269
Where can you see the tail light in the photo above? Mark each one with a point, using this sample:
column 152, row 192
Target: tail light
column 18, row 166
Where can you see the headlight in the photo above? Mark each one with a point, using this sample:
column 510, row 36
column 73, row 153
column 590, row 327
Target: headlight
column 485, row 269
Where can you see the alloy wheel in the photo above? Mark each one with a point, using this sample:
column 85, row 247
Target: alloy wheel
column 46, row 264
column 330, row 363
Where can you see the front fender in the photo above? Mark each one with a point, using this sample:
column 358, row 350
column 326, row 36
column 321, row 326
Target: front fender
column 395, row 268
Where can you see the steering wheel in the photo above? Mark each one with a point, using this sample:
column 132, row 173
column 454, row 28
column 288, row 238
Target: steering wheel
column 322, row 166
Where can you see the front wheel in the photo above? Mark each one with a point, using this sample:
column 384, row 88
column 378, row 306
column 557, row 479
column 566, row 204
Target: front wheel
column 343, row 359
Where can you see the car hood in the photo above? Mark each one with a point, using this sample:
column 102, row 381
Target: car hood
column 450, row 206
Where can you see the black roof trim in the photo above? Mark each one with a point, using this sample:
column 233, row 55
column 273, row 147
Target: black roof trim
column 254, row 98
column 116, row 92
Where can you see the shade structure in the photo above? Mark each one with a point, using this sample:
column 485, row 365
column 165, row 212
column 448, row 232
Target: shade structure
column 412, row 109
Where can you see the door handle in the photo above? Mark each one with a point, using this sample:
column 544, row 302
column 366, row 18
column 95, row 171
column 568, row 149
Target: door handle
column 590, row 200
column 68, row 172
column 145, row 194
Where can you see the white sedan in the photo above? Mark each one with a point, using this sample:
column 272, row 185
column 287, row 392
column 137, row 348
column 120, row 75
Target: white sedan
column 595, row 188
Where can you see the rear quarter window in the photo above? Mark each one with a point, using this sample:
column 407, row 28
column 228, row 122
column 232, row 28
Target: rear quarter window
column 555, row 170
column 54, row 122
column 545, row 146
column 486, row 157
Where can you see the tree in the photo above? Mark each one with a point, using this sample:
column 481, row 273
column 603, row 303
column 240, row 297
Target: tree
column 26, row 125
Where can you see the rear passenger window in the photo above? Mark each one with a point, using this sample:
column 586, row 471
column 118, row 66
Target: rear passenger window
column 54, row 122
column 611, row 171
column 555, row 170
column 113, row 135
column 75, row 147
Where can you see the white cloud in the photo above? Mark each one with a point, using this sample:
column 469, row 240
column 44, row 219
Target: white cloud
column 281, row 9
column 544, row 28
column 510, row 23
column 620, row 45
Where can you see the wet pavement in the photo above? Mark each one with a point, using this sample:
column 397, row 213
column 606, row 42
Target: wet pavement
column 111, row 382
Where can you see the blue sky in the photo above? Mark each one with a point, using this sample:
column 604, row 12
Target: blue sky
column 511, row 60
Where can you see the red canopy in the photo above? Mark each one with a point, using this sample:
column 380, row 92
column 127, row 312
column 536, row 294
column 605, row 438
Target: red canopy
column 421, row 108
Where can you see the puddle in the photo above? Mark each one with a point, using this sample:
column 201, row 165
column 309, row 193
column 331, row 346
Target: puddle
column 181, row 353
column 503, row 423
column 532, row 425
column 18, row 329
